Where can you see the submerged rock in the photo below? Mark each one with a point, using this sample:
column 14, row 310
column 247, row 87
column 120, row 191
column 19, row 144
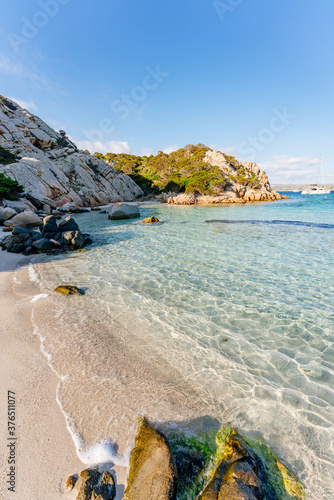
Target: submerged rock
column 123, row 211
column 68, row 290
column 93, row 485
column 153, row 473
column 150, row 220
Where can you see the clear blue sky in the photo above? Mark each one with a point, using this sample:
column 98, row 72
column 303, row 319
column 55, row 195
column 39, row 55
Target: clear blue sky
column 253, row 78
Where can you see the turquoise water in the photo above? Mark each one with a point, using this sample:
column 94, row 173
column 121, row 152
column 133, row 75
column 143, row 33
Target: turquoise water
column 241, row 313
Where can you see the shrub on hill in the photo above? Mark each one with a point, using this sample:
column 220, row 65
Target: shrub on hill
column 180, row 171
column 6, row 157
column 9, row 189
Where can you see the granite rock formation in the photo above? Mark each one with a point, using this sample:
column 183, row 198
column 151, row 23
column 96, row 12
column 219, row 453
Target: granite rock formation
column 51, row 168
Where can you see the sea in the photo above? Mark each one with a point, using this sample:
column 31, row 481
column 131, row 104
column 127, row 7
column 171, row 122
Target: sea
column 215, row 315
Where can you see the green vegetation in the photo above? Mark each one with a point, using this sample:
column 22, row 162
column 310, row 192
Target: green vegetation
column 182, row 171
column 9, row 189
column 6, row 157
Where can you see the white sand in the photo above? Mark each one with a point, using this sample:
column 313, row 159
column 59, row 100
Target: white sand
column 45, row 453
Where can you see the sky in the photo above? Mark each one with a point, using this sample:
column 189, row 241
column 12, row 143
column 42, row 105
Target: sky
column 251, row 78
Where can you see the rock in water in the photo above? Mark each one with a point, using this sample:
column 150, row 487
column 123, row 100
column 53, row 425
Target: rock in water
column 123, row 211
column 68, row 290
column 68, row 224
column 246, row 469
column 93, row 485
column 150, row 220
column 153, row 473
column 50, row 224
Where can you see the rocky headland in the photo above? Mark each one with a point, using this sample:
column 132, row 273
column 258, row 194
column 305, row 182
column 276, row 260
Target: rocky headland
column 51, row 169
column 54, row 173
column 195, row 175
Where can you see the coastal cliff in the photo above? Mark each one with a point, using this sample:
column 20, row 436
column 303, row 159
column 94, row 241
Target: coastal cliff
column 195, row 174
column 48, row 164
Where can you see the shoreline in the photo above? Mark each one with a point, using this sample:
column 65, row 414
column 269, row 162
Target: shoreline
column 45, row 454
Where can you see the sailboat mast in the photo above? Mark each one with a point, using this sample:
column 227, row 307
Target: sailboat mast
column 319, row 169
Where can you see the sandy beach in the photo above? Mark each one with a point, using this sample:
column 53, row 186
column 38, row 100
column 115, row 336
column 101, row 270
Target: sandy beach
column 45, row 454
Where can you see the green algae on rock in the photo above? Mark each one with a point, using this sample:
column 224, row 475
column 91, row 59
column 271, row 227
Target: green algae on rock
column 69, row 290
column 279, row 479
column 248, row 468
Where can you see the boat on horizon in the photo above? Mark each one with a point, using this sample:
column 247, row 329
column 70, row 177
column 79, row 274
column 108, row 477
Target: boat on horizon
column 316, row 188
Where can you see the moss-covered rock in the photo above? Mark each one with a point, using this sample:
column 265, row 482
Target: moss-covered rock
column 244, row 468
column 193, row 457
column 68, row 290
column 280, row 483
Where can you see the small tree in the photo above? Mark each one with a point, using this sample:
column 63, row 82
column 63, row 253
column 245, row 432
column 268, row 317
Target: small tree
column 9, row 189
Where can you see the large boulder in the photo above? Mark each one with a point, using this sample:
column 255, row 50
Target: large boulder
column 50, row 225
column 20, row 205
column 68, row 224
column 27, row 218
column 153, row 473
column 123, row 211
column 43, row 245
column 39, row 201
column 6, row 213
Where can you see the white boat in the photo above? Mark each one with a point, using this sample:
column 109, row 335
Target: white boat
column 316, row 188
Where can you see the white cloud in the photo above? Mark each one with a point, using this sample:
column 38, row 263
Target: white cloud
column 292, row 169
column 170, row 149
column 104, row 147
column 30, row 105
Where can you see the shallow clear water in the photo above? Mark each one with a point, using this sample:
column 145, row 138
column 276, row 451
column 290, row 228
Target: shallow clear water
column 237, row 316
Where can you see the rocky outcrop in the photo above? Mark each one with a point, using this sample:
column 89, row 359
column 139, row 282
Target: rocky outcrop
column 92, row 485
column 239, row 196
column 153, row 473
column 50, row 238
column 51, row 168
column 244, row 182
column 120, row 211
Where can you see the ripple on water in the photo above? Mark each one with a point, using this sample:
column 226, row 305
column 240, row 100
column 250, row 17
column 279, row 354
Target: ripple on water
column 233, row 320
